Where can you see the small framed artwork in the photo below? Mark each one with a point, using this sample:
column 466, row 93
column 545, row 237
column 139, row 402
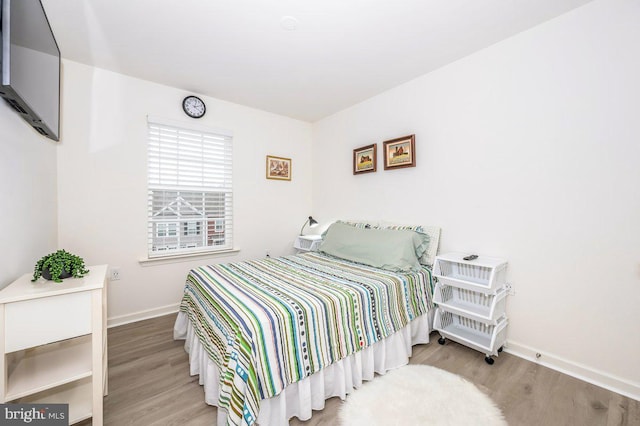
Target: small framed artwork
column 278, row 168
column 400, row 152
column 364, row 159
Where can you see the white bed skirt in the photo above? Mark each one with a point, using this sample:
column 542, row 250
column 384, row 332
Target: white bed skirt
column 300, row 398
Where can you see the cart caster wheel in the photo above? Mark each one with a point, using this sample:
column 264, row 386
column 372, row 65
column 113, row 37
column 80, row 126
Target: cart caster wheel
column 489, row 360
column 441, row 340
column 500, row 349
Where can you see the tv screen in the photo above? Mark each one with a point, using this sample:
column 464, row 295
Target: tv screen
column 30, row 65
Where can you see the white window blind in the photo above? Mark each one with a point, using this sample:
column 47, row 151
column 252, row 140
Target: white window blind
column 190, row 198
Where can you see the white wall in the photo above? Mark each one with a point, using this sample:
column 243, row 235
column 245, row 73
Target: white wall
column 528, row 150
column 28, row 196
column 102, row 182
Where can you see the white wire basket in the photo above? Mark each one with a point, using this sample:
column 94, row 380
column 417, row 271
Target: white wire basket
column 485, row 274
column 307, row 242
column 483, row 337
column 481, row 306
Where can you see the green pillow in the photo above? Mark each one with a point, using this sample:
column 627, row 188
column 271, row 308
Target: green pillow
column 422, row 249
column 392, row 250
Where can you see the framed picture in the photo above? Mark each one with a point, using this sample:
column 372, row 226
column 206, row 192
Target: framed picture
column 364, row 159
column 400, row 152
column 278, row 168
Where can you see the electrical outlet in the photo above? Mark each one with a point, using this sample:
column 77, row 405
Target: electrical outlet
column 115, row 273
column 510, row 290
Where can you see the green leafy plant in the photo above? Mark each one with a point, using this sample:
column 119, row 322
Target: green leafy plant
column 59, row 263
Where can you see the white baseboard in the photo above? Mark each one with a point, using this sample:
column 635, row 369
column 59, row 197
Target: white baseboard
column 579, row 371
column 142, row 315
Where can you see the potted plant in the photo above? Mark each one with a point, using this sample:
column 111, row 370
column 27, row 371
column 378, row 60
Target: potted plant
column 59, row 265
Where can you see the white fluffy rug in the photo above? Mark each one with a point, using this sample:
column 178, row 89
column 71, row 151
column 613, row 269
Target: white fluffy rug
column 419, row 395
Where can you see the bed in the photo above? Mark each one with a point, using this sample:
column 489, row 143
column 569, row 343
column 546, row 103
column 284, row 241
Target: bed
column 274, row 338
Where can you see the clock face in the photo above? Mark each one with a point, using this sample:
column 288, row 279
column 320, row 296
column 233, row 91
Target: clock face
column 193, row 106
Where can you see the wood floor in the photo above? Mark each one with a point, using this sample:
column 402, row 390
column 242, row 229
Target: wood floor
column 149, row 384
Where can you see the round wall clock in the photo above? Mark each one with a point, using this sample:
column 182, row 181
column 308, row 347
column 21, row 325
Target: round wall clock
column 193, row 106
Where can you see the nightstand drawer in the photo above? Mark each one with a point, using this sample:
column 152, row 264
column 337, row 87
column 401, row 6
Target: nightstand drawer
column 44, row 320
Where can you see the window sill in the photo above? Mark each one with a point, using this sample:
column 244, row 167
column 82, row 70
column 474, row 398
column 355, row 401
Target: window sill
column 186, row 257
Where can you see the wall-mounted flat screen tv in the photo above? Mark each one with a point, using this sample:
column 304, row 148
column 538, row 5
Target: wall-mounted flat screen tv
column 30, row 65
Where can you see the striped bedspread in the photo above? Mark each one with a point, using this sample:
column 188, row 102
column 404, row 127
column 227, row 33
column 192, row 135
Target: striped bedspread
column 271, row 322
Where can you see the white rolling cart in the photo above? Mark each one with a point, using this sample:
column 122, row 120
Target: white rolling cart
column 471, row 299
column 53, row 343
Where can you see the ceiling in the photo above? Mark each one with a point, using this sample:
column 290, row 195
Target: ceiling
column 305, row 59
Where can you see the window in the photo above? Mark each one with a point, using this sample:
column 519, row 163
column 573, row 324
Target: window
column 166, row 229
column 191, row 228
column 190, row 199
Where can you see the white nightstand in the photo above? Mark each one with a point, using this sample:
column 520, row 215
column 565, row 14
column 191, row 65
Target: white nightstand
column 307, row 242
column 53, row 343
